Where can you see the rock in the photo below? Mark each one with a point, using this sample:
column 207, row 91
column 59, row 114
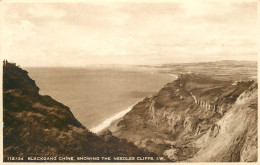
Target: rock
column 194, row 122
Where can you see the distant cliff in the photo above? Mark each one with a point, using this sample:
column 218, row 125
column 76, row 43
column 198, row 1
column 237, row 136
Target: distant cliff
column 36, row 125
column 196, row 118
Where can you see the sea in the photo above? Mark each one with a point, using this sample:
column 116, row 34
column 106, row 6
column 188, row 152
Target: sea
column 99, row 95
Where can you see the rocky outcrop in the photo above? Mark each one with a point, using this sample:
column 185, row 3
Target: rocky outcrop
column 191, row 108
column 18, row 79
column 36, row 125
column 233, row 137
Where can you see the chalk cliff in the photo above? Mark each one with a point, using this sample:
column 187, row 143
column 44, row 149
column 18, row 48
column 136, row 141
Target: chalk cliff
column 196, row 118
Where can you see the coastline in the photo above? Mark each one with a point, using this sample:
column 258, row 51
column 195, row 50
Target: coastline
column 106, row 123
column 174, row 76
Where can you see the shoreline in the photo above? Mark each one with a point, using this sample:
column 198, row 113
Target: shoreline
column 106, row 123
column 174, row 76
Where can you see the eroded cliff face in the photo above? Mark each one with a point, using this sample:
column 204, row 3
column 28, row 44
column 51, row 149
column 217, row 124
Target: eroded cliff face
column 234, row 136
column 191, row 117
column 36, row 125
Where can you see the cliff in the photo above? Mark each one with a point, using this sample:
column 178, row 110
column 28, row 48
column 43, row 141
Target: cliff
column 196, row 118
column 36, row 125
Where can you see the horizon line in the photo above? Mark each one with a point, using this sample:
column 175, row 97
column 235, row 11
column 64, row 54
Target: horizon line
column 137, row 65
column 129, row 65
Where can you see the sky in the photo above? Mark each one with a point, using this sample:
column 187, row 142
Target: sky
column 81, row 34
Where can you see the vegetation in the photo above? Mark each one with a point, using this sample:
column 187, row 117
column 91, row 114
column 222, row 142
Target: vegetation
column 37, row 125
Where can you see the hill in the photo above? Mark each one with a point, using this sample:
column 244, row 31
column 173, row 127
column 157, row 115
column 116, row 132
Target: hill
column 196, row 118
column 39, row 127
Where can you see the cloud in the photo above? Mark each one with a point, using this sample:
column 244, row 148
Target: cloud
column 196, row 8
column 14, row 33
column 42, row 11
column 148, row 33
column 26, row 25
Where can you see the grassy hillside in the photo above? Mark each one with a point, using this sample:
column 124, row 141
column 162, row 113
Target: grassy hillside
column 36, row 125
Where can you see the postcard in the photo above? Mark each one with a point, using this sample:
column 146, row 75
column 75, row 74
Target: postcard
column 129, row 81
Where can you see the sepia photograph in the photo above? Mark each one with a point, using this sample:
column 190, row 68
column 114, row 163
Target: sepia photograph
column 129, row 81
